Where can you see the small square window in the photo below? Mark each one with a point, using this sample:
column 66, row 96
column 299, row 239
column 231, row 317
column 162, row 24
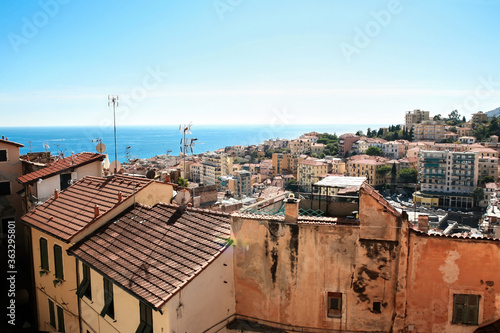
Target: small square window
column 5, row 188
column 376, row 307
column 465, row 309
column 3, row 155
column 334, row 305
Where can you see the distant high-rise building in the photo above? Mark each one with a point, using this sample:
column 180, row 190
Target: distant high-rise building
column 415, row 117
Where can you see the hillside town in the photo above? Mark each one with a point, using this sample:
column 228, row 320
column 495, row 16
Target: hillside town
column 394, row 229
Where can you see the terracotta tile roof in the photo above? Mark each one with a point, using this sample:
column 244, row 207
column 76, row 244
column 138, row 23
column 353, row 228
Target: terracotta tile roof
column 153, row 252
column 11, row 143
column 312, row 162
column 60, row 166
column 66, row 216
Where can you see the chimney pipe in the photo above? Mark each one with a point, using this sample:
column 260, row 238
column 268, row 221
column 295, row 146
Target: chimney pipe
column 96, row 211
column 291, row 209
column 56, row 194
column 423, row 223
column 120, row 196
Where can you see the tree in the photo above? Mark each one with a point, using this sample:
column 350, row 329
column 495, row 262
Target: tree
column 291, row 186
column 182, row 182
column 394, row 173
column 374, row 151
column 384, row 170
column 486, row 179
column 477, row 195
column 437, row 117
column 454, row 117
column 254, row 155
column 408, row 175
column 359, row 133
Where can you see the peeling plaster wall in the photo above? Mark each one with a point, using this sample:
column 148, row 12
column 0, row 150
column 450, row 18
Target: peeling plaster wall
column 440, row 267
column 283, row 273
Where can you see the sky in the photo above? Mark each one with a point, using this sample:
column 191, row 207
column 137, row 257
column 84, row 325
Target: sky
column 245, row 61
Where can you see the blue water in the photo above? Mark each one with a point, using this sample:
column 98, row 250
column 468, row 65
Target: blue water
column 149, row 141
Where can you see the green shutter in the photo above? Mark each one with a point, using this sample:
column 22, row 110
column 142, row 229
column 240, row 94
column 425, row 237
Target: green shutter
column 108, row 308
column 58, row 262
column 52, row 314
column 44, row 254
column 60, row 319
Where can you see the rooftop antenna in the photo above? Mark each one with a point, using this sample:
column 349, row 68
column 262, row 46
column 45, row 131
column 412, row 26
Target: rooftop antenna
column 101, row 147
column 113, row 100
column 30, row 145
column 186, row 143
column 127, row 154
column 46, row 146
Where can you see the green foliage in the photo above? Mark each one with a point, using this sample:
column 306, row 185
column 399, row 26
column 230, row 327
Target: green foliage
column 477, row 195
column 384, row 170
column 291, row 186
column 407, row 175
column 254, row 155
column 182, row 182
column 486, row 179
column 374, row 151
column 332, row 144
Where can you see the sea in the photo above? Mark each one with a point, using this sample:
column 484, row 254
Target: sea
column 149, row 141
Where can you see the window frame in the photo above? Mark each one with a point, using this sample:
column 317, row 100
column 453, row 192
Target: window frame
column 60, row 319
column 109, row 306
column 44, row 254
column 85, row 287
column 146, row 319
column 6, row 156
column 461, row 312
column 10, row 187
column 334, row 310
column 52, row 314
column 58, row 262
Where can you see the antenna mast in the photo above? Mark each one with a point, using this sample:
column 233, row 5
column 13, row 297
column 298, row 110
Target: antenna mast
column 186, row 143
column 113, row 100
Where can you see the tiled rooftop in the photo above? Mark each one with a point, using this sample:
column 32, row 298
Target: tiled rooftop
column 60, row 166
column 154, row 252
column 5, row 140
column 73, row 210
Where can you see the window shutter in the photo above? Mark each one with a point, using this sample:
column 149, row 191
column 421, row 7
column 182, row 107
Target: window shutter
column 58, row 261
column 44, row 254
column 60, row 319
column 52, row 314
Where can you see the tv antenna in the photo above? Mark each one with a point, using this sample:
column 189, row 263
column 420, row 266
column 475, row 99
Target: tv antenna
column 101, row 147
column 113, row 100
column 186, row 143
column 46, row 146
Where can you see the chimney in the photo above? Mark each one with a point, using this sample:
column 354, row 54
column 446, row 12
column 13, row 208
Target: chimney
column 423, row 223
column 291, row 209
column 3, row 137
column 120, row 196
column 96, row 211
column 56, row 194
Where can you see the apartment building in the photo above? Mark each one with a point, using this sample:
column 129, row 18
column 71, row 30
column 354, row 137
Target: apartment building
column 429, row 130
column 488, row 162
column 394, row 149
column 367, row 166
column 309, row 172
column 447, row 178
column 286, row 163
column 345, row 143
column 415, row 117
column 300, row 146
column 479, row 117
column 214, row 166
column 63, row 220
column 364, row 143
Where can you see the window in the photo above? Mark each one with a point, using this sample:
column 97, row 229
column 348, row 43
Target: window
column 109, row 308
column 146, row 323
column 65, row 180
column 5, row 188
column 334, row 305
column 52, row 314
column 376, row 307
column 60, row 319
column 58, row 262
column 44, row 254
column 3, row 155
column 465, row 309
column 84, row 289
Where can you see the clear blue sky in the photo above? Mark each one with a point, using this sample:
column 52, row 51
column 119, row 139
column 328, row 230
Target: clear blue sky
column 246, row 61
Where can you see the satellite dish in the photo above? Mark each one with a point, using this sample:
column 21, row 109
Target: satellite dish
column 182, row 197
column 113, row 165
column 101, row 147
column 150, row 174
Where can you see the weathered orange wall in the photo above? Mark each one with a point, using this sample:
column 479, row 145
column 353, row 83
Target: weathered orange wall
column 283, row 273
column 440, row 267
